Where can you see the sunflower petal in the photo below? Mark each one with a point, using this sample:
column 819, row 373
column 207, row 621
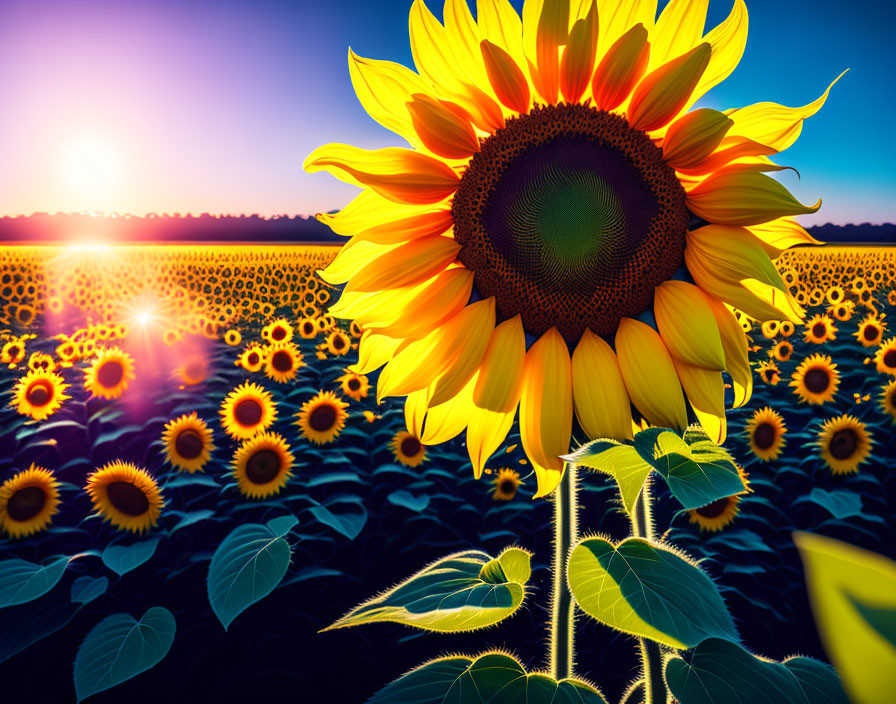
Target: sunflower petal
column 601, row 402
column 402, row 175
column 415, row 406
column 693, row 137
column 618, row 16
column 687, row 325
column 545, row 31
column 729, row 150
column 370, row 211
column 662, row 94
column 728, row 41
column 442, row 130
column 506, row 78
column 734, row 342
column 649, row 375
column 706, row 394
column 501, row 372
column 406, row 265
column 678, row 29
column 621, row 68
column 374, row 351
column 781, row 234
column 578, row 59
column 486, row 431
column 353, row 256
column 501, row 25
column 448, row 419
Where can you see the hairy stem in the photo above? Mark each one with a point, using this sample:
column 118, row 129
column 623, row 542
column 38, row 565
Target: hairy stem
column 562, row 605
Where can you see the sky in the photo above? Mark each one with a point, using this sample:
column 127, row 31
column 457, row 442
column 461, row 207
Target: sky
column 212, row 105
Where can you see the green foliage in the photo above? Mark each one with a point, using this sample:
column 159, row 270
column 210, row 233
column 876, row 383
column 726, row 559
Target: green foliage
column 721, row 672
column 22, row 581
column 119, row 647
column 622, row 462
column 648, row 590
column 121, row 559
column 461, row 592
column 853, row 594
column 495, row 678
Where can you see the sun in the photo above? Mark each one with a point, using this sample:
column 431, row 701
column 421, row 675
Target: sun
column 91, row 167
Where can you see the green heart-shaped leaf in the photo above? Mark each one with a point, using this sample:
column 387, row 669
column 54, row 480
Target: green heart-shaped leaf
column 622, row 462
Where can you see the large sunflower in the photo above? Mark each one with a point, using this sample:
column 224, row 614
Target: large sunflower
column 845, row 443
column 816, row 380
column 262, row 465
column 126, row 496
column 282, row 361
column 247, row 410
column 39, row 394
column 559, row 187
column 188, row 442
column 110, row 373
column 28, row 501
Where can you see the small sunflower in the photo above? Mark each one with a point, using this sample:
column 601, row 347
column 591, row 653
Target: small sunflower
column 193, row 371
column 816, row 380
column 41, row 361
column 769, row 373
column 251, row 359
column 842, row 311
column 261, row 465
column 125, row 496
column 408, row 449
column 338, row 343
column 233, row 337
column 782, row 351
column 719, row 513
column 871, row 331
column 28, row 501
column 277, row 331
column 786, row 328
column 247, row 410
column 110, row 373
column 354, row 385
column 282, row 361
column 188, row 442
column 885, row 357
column 39, row 394
column 819, row 330
column 370, row 416
column 13, row 352
column 887, row 399
column 308, row 328
column 766, row 432
column 506, row 484
column 845, row 443
column 322, row 418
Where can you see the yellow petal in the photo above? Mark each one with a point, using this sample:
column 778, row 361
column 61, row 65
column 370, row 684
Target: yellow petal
column 678, row 30
column 443, row 127
column 687, row 325
column 501, row 25
column 578, row 59
column 782, row 234
column 463, row 36
column 706, row 394
column 618, row 16
column 352, row 257
column 734, row 342
column 415, row 406
column 734, row 252
column 730, row 149
column 728, row 41
column 369, row 210
column 407, row 264
column 545, row 31
column 486, row 430
column 506, row 78
column 649, row 375
column 738, row 198
column 448, row 419
column 546, row 406
column 693, row 137
column 601, row 401
column 402, row 175
column 621, row 68
column 662, row 94
column 374, row 351
column 501, row 371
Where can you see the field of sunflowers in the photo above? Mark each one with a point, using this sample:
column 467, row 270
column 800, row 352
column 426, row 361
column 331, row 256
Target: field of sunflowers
column 179, row 420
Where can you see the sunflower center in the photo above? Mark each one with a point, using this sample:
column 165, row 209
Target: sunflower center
column 890, row 358
column 570, row 218
column 819, row 330
column 322, row 418
column 127, row 498
column 252, row 358
column 26, row 503
column 817, row 381
column 507, row 486
column 338, row 342
column 40, row 394
column 410, row 447
column 13, row 352
column 110, row 374
column 354, row 384
column 247, row 412
column 843, row 444
column 714, row 509
column 764, row 436
column 278, row 334
column 263, row 467
column 189, row 444
column 281, row 361
column 308, row 328
column 870, row 333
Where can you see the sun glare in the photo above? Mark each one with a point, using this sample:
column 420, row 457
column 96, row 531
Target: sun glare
column 90, row 167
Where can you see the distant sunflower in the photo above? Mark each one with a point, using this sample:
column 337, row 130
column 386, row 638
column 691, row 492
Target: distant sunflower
column 842, row 311
column 110, row 373
column 816, row 380
column 871, row 331
column 322, row 418
column 506, row 484
column 338, row 343
column 41, row 361
column 251, row 359
column 719, row 513
column 354, row 385
column 282, row 361
column 885, row 357
column 193, row 371
column 13, row 352
column 786, row 328
column 408, row 449
column 769, row 373
column 39, row 394
column 819, row 330
column 766, row 430
column 277, row 331
column 233, row 337
column 845, row 443
column 247, row 410
column 782, row 351
column 770, row 329
column 188, row 442
column 262, row 465
column 887, row 399
column 28, row 501
column 125, row 496
column 308, row 328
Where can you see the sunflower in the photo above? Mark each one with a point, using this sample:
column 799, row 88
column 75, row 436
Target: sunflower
column 28, row 501
column 766, row 432
column 769, row 373
column 354, row 385
column 282, row 360
column 506, row 484
column 338, row 343
column 247, row 410
column 193, row 371
column 770, row 328
column 782, row 351
column 39, row 394
column 188, row 442
column 261, row 465
column 408, row 449
column 308, row 328
column 126, row 496
column 719, row 513
column 871, row 331
column 233, row 337
column 41, row 361
column 820, row 329
column 110, row 373
column 786, row 328
column 845, row 443
column 322, row 418
column 842, row 312
column 277, row 331
column 816, row 380
column 13, row 352
column 251, row 359
column 885, row 357
column 887, row 399
column 558, row 186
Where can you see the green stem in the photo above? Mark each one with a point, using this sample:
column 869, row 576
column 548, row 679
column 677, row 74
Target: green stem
column 651, row 656
column 562, row 605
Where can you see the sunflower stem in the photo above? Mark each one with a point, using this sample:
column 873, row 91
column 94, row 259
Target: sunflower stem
column 651, row 655
column 562, row 604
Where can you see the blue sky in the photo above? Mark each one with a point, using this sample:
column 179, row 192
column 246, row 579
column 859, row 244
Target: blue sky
column 212, row 105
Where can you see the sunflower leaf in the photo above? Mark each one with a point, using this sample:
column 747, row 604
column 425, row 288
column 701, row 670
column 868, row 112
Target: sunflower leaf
column 622, row 462
column 22, row 581
column 121, row 559
column 647, row 590
column 495, row 678
column 119, row 647
column 461, row 592
column 349, row 523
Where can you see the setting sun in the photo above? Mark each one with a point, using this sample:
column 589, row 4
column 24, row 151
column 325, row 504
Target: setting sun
column 91, row 167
